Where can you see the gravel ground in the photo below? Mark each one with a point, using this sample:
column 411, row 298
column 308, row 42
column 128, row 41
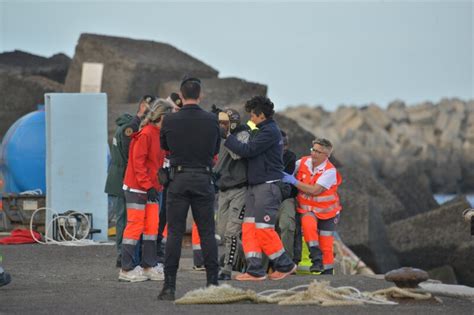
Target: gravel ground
column 78, row 280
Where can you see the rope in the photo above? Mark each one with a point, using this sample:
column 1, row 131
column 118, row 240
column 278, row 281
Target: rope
column 316, row 293
column 68, row 239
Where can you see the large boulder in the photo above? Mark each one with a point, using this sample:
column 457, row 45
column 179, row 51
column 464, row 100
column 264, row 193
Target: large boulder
column 22, row 63
column 367, row 207
column 462, row 261
column 413, row 190
column 132, row 68
column 20, row 95
column 429, row 239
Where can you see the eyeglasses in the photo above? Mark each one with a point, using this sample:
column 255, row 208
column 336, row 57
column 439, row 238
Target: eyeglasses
column 317, row 151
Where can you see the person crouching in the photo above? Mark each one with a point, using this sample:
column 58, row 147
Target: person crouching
column 141, row 189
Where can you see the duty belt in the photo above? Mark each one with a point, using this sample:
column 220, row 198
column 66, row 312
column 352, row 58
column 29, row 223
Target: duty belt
column 189, row 169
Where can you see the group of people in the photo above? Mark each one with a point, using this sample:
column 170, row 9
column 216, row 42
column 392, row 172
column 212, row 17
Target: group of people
column 173, row 155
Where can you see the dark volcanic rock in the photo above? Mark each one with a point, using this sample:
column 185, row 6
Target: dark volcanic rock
column 429, row 239
column 20, row 95
column 413, row 190
column 462, row 261
column 132, row 68
column 367, row 206
column 23, row 63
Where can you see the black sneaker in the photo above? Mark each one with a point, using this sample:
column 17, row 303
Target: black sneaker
column 5, row 279
column 328, row 272
column 224, row 276
column 316, row 268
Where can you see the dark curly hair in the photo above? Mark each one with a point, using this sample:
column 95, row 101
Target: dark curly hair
column 260, row 104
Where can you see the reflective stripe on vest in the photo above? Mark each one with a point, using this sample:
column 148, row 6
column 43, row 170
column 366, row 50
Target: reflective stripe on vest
column 319, row 210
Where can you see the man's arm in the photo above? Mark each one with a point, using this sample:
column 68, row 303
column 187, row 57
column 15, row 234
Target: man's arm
column 127, row 132
column 164, row 130
column 140, row 154
column 218, row 142
column 325, row 181
column 242, row 136
column 260, row 143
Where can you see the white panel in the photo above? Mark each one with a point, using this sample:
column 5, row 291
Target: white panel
column 76, row 155
column 91, row 77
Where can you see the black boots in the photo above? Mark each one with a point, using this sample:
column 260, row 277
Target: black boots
column 169, row 288
column 211, row 278
column 317, row 260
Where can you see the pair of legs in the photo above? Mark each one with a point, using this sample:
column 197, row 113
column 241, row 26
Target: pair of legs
column 319, row 236
column 196, row 190
column 142, row 221
column 230, row 215
column 259, row 235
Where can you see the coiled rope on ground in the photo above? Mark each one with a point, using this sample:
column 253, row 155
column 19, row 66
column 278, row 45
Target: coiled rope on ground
column 316, row 293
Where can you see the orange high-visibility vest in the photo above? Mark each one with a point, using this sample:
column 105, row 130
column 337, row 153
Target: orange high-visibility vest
column 325, row 205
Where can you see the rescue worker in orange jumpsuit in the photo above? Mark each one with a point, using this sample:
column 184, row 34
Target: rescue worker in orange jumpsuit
column 141, row 189
column 318, row 203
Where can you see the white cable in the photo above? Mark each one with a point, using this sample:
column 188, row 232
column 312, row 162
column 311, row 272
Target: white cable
column 64, row 241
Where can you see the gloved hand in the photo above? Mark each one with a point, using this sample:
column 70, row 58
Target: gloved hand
column 289, row 179
column 152, row 195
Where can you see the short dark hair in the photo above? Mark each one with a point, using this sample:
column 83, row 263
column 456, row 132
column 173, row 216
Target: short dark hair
column 190, row 88
column 260, row 104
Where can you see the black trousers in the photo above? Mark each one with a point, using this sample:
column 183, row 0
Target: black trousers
column 196, row 190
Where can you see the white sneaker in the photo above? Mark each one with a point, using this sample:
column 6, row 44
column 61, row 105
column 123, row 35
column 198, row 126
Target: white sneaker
column 155, row 273
column 135, row 275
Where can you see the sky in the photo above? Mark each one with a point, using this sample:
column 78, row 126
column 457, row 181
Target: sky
column 317, row 53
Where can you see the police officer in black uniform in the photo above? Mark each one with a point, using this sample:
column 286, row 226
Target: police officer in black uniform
column 192, row 137
column 126, row 126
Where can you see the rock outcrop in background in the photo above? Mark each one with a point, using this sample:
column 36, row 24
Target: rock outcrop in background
column 24, row 79
column 435, row 140
column 132, row 68
column 391, row 160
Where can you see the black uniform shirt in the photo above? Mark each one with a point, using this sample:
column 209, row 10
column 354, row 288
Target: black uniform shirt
column 192, row 137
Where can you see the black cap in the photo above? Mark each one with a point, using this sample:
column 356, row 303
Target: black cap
column 176, row 99
column 149, row 99
column 188, row 78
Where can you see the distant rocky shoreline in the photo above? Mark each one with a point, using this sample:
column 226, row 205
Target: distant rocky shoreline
column 430, row 140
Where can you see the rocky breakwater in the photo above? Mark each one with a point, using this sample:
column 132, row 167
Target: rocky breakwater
column 438, row 139
column 391, row 162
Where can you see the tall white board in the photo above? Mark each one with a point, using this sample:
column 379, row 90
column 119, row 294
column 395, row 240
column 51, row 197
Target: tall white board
column 76, row 155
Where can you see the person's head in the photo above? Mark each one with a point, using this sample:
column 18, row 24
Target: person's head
column 144, row 105
column 321, row 150
column 285, row 139
column 224, row 121
column 190, row 90
column 260, row 109
column 176, row 100
column 234, row 118
column 158, row 109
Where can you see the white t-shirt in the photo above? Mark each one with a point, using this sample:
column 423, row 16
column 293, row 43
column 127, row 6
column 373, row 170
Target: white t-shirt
column 327, row 179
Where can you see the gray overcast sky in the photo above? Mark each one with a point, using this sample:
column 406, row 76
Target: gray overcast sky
column 327, row 53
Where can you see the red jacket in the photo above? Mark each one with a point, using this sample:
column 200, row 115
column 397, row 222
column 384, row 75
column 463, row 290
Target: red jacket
column 145, row 158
